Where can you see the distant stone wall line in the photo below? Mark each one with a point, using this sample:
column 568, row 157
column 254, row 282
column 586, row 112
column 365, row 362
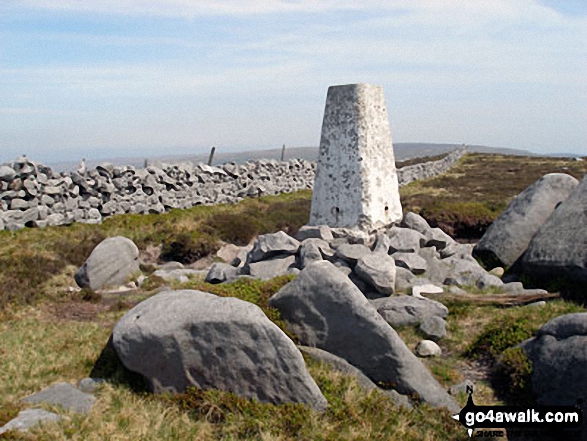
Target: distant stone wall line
column 33, row 195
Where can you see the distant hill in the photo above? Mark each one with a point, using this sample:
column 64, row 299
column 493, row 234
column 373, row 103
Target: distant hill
column 403, row 151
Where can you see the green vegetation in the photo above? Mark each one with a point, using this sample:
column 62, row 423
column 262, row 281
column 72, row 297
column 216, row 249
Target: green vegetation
column 514, row 325
column 466, row 199
column 514, row 375
column 51, row 333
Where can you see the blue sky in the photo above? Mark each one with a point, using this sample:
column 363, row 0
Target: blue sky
column 81, row 78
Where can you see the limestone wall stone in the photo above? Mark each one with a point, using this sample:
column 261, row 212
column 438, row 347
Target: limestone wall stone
column 33, row 195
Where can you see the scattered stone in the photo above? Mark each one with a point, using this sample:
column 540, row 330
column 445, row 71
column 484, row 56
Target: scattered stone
column 180, row 275
column 268, row 269
column 271, row 245
column 428, row 288
column 324, row 309
column 352, row 252
column 64, row 395
column 378, row 270
column 404, row 240
column 538, row 304
column 410, row 261
column 309, row 253
column 439, row 239
column 406, row 310
column 213, row 342
column 427, row 348
column 498, row 271
column 171, row 265
column 433, row 327
column 7, row 173
column 415, row 222
column 558, row 249
column 28, row 418
column 318, row 232
column 404, row 279
column 111, row 263
column 221, row 272
column 90, row 385
column 509, row 235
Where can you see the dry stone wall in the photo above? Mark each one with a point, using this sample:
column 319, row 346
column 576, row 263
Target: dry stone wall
column 33, row 195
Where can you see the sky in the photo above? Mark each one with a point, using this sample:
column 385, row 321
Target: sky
column 116, row 78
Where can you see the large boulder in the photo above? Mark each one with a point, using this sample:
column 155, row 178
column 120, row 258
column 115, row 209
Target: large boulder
column 559, row 360
column 507, row 238
column 111, row 263
column 178, row 339
column 559, row 248
column 326, row 310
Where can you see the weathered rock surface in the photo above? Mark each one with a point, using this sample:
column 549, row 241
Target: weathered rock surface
column 433, row 327
column 271, row 245
column 268, row 269
column 559, row 248
column 428, row 348
column 559, row 360
column 213, row 342
column 221, row 272
column 507, row 238
column 405, row 310
column 65, row 395
column 324, row 309
column 111, row 263
column 314, row 232
column 28, row 418
column 378, row 270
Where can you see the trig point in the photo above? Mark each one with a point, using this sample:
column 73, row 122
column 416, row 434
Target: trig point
column 356, row 181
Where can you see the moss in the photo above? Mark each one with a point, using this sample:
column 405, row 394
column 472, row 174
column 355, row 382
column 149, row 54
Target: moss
column 513, row 375
column 500, row 335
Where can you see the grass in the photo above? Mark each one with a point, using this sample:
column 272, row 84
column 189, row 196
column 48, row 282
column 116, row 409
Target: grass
column 51, row 333
column 466, row 199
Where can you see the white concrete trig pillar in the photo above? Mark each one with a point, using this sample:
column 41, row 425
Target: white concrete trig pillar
column 356, row 182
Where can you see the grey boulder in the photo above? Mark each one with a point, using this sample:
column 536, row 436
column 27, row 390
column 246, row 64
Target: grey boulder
column 28, row 418
column 378, row 270
column 433, row 327
column 559, row 248
column 408, row 310
column 404, row 240
column 268, row 269
column 111, row 263
column 325, row 309
column 270, row 245
column 178, row 339
column 221, row 272
column 314, row 231
column 65, row 395
column 507, row 238
column 559, row 360
column 410, row 261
